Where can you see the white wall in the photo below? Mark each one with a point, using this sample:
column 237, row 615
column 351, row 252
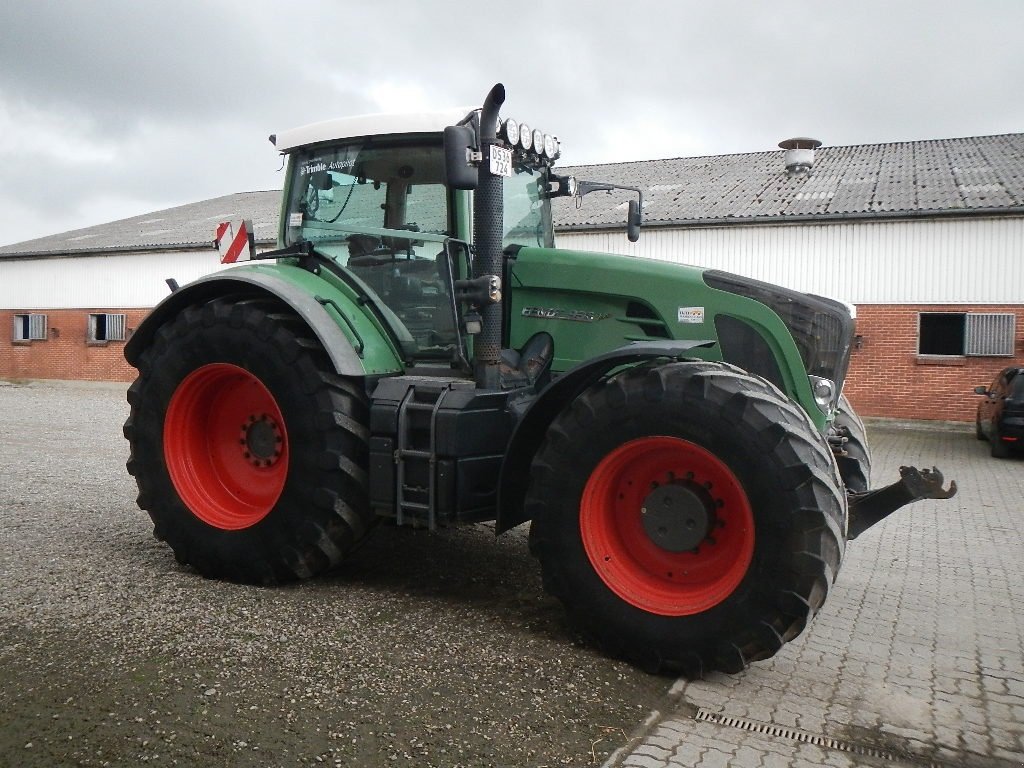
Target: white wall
column 121, row 281
column 970, row 261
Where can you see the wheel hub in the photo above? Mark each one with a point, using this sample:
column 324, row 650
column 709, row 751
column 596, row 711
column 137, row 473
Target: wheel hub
column 261, row 440
column 666, row 525
column 226, row 446
column 678, row 516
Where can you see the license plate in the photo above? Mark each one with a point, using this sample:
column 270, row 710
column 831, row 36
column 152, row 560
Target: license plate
column 501, row 161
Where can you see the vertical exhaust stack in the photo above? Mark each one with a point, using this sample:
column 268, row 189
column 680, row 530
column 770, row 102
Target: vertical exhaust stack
column 488, row 224
column 799, row 157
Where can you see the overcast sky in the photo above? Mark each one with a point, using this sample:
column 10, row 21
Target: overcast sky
column 112, row 108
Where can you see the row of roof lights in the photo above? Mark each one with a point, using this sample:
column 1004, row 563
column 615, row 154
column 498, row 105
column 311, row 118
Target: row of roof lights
column 519, row 136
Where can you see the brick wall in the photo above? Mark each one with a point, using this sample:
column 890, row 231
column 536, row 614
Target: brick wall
column 888, row 378
column 65, row 354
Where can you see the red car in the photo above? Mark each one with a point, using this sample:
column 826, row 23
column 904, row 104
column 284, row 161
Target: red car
column 1001, row 414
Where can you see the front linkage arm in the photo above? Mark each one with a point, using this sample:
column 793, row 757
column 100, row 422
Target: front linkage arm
column 914, row 484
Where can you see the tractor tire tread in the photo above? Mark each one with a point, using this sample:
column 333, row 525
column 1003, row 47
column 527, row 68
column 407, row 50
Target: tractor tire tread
column 311, row 538
column 814, row 530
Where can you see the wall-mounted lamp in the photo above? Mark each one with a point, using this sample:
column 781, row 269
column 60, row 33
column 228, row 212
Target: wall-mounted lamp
column 55, row 333
column 858, row 341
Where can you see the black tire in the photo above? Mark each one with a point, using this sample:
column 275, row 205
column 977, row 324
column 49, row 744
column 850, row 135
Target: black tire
column 978, row 431
column 997, row 448
column 301, row 515
column 778, row 460
column 856, row 474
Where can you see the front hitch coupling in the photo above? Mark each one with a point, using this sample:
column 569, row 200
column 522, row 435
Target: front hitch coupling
column 914, row 484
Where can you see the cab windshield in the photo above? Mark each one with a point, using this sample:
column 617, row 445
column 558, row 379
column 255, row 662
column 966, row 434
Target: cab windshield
column 363, row 187
column 382, row 211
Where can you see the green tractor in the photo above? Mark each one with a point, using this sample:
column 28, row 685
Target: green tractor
column 416, row 350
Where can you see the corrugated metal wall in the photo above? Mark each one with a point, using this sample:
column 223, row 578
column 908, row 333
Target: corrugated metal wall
column 118, row 281
column 975, row 261
column 969, row 261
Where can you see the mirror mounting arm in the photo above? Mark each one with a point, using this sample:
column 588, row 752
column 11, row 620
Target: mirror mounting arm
column 635, row 217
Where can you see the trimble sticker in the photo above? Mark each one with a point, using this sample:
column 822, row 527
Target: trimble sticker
column 691, row 315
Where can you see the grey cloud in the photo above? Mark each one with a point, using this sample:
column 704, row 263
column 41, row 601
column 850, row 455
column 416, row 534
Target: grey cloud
column 188, row 91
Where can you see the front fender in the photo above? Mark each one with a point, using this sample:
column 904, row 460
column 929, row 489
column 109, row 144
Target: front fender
column 532, row 426
column 355, row 345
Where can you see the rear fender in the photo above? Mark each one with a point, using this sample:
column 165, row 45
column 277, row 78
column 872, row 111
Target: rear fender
column 357, row 350
column 541, row 411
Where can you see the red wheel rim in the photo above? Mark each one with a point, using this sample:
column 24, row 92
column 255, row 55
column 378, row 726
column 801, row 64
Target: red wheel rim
column 630, row 563
column 225, row 446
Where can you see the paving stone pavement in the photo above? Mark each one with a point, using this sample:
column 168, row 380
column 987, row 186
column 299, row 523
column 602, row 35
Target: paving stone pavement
column 916, row 658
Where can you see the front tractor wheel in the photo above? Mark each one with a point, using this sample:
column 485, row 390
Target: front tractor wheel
column 688, row 515
column 249, row 452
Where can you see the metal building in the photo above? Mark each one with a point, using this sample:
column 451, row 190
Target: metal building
column 71, row 300
column 925, row 238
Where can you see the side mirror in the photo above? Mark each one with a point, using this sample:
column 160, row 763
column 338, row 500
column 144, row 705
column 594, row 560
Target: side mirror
column 459, row 170
column 634, row 218
column 981, row 390
column 633, row 221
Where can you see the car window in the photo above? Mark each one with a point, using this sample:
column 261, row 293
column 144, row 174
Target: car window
column 1016, row 385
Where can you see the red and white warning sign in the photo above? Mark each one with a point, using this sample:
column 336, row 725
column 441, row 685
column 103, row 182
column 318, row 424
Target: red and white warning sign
column 235, row 244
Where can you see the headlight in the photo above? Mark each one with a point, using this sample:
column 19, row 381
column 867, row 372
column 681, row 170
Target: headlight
column 824, row 392
column 538, row 141
column 525, row 136
column 511, row 132
column 549, row 145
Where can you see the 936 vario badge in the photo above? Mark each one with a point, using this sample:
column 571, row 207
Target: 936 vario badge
column 553, row 313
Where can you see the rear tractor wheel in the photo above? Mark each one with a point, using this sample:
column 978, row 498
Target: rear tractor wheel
column 688, row 515
column 249, row 452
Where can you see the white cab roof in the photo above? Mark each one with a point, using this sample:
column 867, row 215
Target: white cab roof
column 370, row 125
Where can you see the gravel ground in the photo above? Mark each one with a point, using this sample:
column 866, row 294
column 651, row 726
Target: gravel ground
column 426, row 649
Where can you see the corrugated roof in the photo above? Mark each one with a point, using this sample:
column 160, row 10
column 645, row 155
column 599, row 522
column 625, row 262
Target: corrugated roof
column 981, row 174
column 184, row 226
column 977, row 174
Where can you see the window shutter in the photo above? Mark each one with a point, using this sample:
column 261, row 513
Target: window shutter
column 37, row 327
column 989, row 334
column 115, row 327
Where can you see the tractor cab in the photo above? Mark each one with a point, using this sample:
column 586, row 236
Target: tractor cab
column 380, row 206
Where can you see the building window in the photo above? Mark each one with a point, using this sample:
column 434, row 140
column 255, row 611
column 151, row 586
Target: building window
column 976, row 334
column 29, row 328
column 106, row 327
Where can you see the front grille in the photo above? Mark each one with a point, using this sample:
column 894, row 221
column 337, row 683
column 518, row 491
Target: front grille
column 821, row 328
